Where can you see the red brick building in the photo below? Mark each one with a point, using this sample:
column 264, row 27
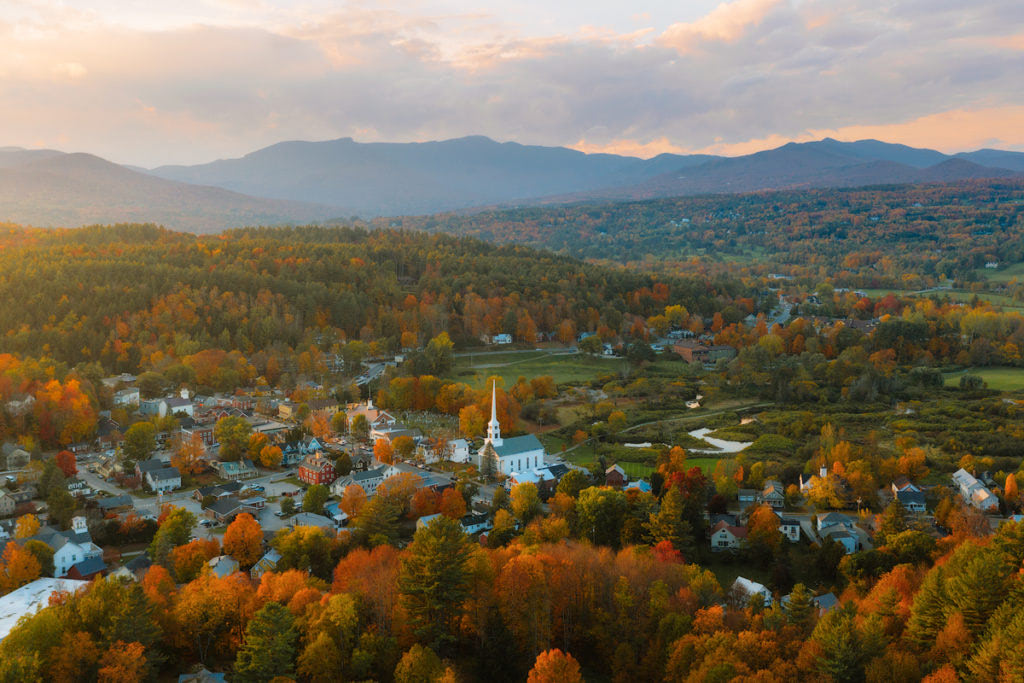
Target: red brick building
column 317, row 469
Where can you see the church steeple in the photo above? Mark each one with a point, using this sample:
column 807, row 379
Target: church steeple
column 493, row 427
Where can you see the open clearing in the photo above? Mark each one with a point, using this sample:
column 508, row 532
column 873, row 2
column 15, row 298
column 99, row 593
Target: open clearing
column 1000, row 379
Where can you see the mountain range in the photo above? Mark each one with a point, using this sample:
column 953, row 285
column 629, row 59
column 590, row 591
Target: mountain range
column 298, row 182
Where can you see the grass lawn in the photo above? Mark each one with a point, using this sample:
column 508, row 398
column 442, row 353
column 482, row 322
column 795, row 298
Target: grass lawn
column 636, row 470
column 1000, row 379
column 706, row 465
column 564, row 368
column 1012, row 272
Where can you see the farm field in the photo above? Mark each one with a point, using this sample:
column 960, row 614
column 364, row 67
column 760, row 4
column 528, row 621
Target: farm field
column 1000, row 379
column 563, row 367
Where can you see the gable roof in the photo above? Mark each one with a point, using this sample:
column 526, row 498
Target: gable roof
column 90, row 565
column 517, row 445
column 165, row 474
column 123, row 500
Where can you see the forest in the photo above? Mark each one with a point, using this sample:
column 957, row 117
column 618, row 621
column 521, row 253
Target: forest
column 872, row 237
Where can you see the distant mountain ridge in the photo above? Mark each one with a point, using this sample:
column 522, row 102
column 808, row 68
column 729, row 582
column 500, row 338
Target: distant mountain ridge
column 47, row 188
column 297, row 182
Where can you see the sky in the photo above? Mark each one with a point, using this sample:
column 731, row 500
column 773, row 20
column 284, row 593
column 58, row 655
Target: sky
column 195, row 80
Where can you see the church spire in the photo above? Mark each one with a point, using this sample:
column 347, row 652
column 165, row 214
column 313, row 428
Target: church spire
column 493, row 427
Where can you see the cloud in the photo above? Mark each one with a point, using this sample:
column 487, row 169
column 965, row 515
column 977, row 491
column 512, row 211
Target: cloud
column 750, row 74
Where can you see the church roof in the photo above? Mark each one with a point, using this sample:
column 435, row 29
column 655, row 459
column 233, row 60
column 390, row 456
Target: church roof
column 517, row 444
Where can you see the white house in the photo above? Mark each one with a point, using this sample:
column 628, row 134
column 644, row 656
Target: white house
column 746, row 589
column 69, row 547
column 790, row 528
column 501, row 339
column 164, row 479
column 974, row 492
column 505, row 456
column 727, row 537
column 458, row 450
column 368, row 480
column 127, row 397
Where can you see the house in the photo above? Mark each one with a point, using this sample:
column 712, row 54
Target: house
column 223, row 565
column 695, row 352
column 267, row 563
column 202, row 676
column 236, row 470
column 424, row 521
column 30, row 598
column 903, row 484
column 310, row 519
column 368, row 480
column 423, row 478
column 476, row 522
column 69, row 547
column 824, row 603
column 164, row 479
column 115, row 502
column 774, row 494
column 20, row 404
column 973, row 492
column 913, row 501
column 317, row 469
column 224, row 510
column 745, row 590
column 327, row 406
column 7, row 504
column 790, row 528
column 87, row 569
column 747, row 497
column 501, row 339
column 391, row 432
column 457, row 450
column 135, row 569
column 615, row 477
column 639, row 485
column 504, row 456
column 15, row 457
column 230, row 488
column 726, row 537
column 374, row 416
column 176, row 406
column 144, row 467
column 127, row 397
column 826, row 520
column 843, row 536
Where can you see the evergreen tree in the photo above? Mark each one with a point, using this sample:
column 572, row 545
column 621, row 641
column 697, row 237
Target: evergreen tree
column 893, row 521
column 434, row 580
column 668, row 524
column 800, row 609
column 269, row 647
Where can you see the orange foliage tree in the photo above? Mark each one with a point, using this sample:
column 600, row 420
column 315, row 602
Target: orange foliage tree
column 243, row 540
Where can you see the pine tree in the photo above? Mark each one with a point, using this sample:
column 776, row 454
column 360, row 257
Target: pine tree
column 928, row 613
column 269, row 648
column 434, row 580
column 800, row 609
column 893, row 521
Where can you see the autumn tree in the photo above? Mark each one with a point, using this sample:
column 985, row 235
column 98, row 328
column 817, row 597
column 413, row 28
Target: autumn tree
column 187, row 561
column 66, row 462
column 269, row 647
column 383, row 452
column 123, row 663
column 315, row 498
column 360, row 427
column 763, row 536
column 434, row 580
column 1011, row 492
column 418, row 664
column 243, row 540
column 471, row 421
column 339, row 422
column 139, row 441
column 404, row 447
column 232, row 433
column 424, row 502
column 352, row 500
column 188, row 453
column 319, row 425
column 452, row 504
column 525, row 502
column 271, row 456
column 17, row 568
column 555, row 666
column 26, row 526
column 174, row 530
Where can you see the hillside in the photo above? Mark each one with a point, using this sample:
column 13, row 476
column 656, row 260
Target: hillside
column 870, row 237
column 393, row 179
column 50, row 189
column 387, row 179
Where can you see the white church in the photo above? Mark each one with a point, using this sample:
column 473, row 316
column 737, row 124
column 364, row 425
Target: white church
column 507, row 456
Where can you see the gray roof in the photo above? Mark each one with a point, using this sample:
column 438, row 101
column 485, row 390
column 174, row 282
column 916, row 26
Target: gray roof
column 115, row 502
column 90, row 565
column 363, row 475
column 150, row 465
column 913, row 497
column 164, row 474
column 518, row 444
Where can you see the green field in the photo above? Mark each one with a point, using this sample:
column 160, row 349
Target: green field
column 564, row 368
column 1001, row 300
column 1012, row 272
column 1000, row 379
